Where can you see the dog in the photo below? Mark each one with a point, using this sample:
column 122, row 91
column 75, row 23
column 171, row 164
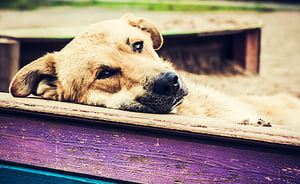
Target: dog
column 114, row 64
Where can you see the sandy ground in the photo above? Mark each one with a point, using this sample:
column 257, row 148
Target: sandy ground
column 280, row 54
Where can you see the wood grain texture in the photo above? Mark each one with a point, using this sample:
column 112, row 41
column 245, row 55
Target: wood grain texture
column 137, row 156
column 282, row 135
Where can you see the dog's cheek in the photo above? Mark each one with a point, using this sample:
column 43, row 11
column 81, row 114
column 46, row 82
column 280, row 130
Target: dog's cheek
column 95, row 97
column 110, row 85
column 98, row 98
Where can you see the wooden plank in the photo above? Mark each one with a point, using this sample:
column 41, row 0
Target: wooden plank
column 11, row 174
column 253, row 50
column 278, row 135
column 138, row 156
column 71, row 31
column 9, row 61
column 246, row 49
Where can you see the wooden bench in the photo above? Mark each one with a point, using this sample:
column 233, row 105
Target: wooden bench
column 119, row 146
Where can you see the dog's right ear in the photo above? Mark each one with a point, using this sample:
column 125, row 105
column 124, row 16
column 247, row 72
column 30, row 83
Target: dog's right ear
column 146, row 26
column 38, row 78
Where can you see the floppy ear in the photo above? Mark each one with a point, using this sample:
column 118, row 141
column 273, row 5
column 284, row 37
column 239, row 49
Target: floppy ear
column 38, row 78
column 146, row 26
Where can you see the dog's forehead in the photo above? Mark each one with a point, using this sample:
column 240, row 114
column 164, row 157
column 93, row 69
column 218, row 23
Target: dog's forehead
column 117, row 28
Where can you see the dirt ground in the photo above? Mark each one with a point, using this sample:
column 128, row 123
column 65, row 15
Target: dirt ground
column 280, row 54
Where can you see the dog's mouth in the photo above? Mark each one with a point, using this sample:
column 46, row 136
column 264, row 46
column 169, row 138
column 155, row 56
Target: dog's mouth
column 158, row 104
column 161, row 104
column 162, row 95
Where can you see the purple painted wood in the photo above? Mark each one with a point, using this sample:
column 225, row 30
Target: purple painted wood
column 137, row 156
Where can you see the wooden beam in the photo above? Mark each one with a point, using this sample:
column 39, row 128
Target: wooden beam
column 137, row 156
column 190, row 126
column 9, row 61
column 246, row 49
column 252, row 58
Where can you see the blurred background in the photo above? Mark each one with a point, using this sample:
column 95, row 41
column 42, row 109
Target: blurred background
column 156, row 5
column 278, row 19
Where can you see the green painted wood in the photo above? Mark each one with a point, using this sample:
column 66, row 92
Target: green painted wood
column 22, row 175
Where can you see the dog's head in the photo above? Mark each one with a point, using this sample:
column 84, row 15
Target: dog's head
column 111, row 64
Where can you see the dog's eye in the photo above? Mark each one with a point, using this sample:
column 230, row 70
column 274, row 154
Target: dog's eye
column 138, row 46
column 106, row 73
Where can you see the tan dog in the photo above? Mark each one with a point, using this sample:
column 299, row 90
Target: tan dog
column 114, row 64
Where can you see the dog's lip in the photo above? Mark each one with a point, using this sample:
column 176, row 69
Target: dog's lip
column 161, row 104
column 150, row 103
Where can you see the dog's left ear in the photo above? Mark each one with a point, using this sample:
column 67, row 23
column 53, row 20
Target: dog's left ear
column 38, row 78
column 146, row 26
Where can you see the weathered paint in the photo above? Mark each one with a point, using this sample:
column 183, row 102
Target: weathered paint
column 286, row 136
column 138, row 156
column 24, row 175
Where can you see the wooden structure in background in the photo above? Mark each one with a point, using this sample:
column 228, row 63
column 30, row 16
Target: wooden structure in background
column 119, row 146
column 247, row 49
column 213, row 52
column 9, row 61
column 201, row 52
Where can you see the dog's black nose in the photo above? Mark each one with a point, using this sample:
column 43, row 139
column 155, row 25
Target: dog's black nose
column 167, row 84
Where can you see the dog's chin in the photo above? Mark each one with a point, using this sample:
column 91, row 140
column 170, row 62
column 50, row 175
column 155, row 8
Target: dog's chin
column 151, row 103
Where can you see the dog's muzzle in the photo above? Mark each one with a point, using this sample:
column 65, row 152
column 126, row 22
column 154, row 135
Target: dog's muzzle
column 163, row 94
